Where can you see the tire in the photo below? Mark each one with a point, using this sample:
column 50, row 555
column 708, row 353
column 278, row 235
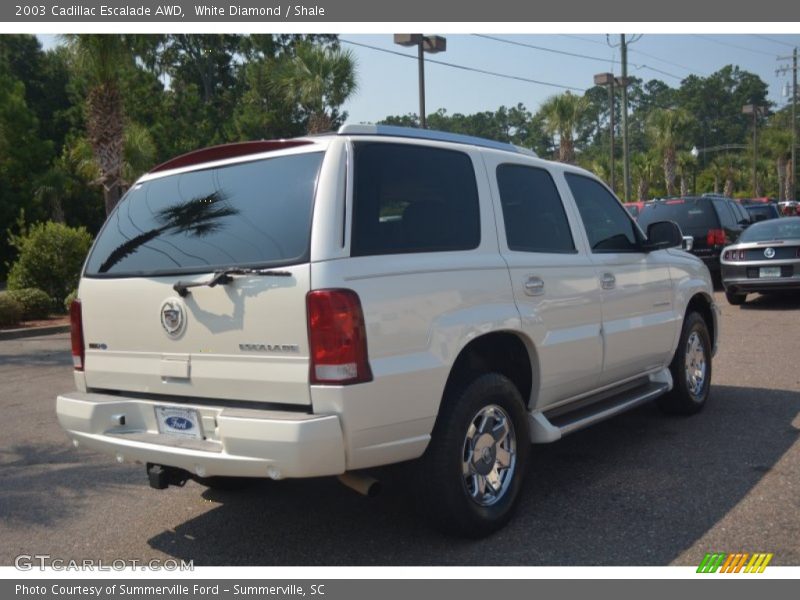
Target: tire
column 471, row 479
column 735, row 299
column 690, row 368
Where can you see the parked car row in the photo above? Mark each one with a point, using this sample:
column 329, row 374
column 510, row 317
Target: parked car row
column 765, row 259
column 744, row 243
column 712, row 222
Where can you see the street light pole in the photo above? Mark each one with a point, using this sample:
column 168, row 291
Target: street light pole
column 421, row 55
column 424, row 43
column 794, row 124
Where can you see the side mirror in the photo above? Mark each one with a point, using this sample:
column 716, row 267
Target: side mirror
column 663, row 234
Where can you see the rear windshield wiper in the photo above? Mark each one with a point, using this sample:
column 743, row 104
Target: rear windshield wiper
column 224, row 276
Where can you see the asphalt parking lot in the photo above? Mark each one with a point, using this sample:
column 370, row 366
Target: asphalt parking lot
column 641, row 489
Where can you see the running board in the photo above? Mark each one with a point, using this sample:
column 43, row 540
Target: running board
column 546, row 429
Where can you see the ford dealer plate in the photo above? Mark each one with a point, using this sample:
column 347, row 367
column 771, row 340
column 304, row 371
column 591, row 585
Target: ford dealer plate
column 769, row 272
column 178, row 421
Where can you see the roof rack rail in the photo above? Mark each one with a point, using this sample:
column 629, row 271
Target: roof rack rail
column 429, row 134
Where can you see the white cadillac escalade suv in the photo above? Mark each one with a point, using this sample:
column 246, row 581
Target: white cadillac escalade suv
column 318, row 306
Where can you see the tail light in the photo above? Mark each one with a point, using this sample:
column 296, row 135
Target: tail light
column 337, row 338
column 76, row 333
column 715, row 237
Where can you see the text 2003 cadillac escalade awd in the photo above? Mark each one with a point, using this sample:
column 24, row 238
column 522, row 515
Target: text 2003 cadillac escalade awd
column 321, row 305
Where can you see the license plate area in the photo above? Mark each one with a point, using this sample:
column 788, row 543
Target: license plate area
column 769, row 272
column 183, row 422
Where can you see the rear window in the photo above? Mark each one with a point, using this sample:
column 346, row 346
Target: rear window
column 413, row 199
column 762, row 212
column 774, row 229
column 691, row 216
column 249, row 214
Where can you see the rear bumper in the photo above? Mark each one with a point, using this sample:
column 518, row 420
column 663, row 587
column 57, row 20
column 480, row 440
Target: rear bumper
column 761, row 285
column 237, row 442
column 735, row 278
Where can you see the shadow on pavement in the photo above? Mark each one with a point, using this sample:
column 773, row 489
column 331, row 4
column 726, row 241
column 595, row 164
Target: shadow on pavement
column 37, row 359
column 43, row 484
column 781, row 301
column 636, row 490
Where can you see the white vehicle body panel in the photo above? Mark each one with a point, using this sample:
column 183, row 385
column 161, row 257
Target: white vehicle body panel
column 421, row 310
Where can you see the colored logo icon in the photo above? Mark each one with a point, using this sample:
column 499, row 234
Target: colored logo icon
column 740, row 562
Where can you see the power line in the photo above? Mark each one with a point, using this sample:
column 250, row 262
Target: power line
column 653, row 56
column 773, row 40
column 657, row 71
column 466, row 68
column 720, row 42
column 573, row 54
column 667, row 62
column 564, row 52
column 578, row 37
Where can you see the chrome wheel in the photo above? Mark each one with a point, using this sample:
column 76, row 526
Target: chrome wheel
column 489, row 455
column 695, row 364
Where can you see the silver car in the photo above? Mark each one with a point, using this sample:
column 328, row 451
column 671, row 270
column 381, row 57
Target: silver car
column 766, row 258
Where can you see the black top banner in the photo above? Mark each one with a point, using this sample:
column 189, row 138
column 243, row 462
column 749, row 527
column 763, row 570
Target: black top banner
column 332, row 11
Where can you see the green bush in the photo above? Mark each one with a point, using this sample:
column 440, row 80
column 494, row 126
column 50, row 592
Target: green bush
column 70, row 297
column 10, row 310
column 50, row 258
column 34, row 302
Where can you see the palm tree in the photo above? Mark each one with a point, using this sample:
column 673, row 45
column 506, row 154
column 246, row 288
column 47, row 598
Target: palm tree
column 643, row 166
column 666, row 127
column 100, row 59
column 138, row 155
column 777, row 142
column 319, row 79
column 719, row 171
column 563, row 114
column 732, row 165
column 686, row 164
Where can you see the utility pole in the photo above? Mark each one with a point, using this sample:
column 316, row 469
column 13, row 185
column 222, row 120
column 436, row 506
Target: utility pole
column 784, row 70
column 607, row 79
column 626, row 163
column 624, row 42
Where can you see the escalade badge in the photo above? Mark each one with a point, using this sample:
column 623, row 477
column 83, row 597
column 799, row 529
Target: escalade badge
column 172, row 318
column 769, row 252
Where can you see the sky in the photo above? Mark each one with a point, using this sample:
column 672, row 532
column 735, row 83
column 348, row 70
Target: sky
column 387, row 81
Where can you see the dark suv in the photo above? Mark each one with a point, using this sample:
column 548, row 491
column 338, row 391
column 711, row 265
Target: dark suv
column 713, row 222
column 763, row 211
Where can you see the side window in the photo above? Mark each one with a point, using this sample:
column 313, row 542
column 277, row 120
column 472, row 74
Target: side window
column 410, row 198
column 607, row 223
column 533, row 213
column 741, row 212
column 726, row 217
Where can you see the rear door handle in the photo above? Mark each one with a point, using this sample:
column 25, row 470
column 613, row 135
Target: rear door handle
column 608, row 281
column 534, row 286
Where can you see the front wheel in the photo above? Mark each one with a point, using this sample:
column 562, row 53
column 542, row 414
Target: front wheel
column 473, row 468
column 690, row 369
